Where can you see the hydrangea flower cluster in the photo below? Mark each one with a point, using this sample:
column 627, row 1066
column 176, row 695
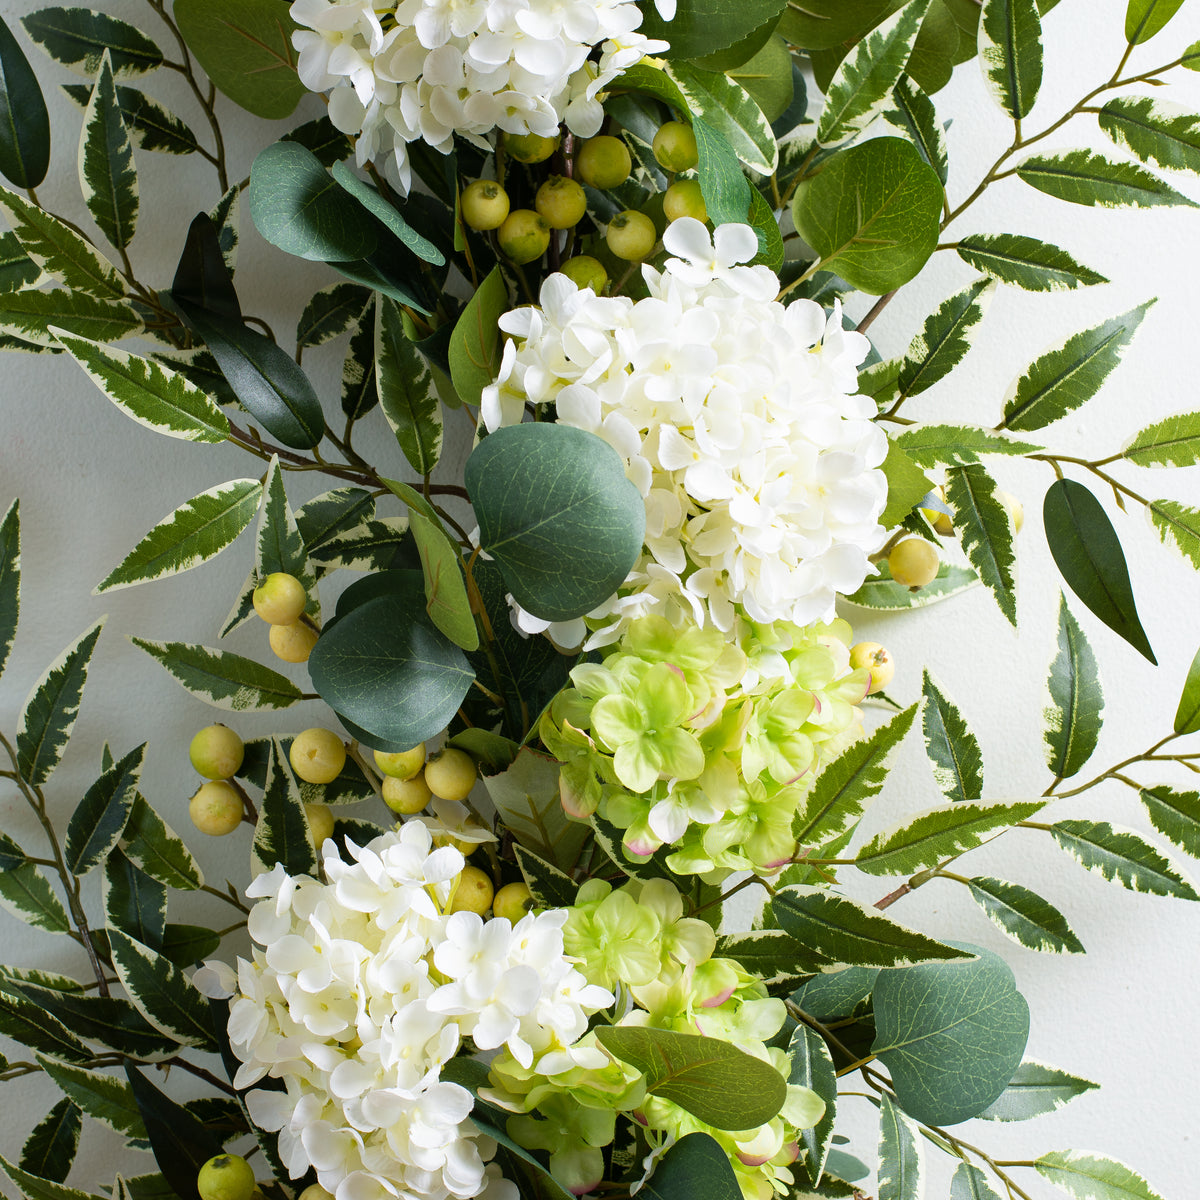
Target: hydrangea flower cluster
column 637, row 940
column 678, row 737
column 362, row 989
column 428, row 69
column 737, row 418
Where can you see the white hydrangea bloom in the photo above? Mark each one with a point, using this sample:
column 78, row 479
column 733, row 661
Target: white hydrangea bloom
column 398, row 72
column 359, row 992
column 737, row 418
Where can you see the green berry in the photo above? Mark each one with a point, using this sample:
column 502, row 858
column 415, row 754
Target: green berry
column 280, row 599
column 674, row 146
column 631, row 235
column 216, row 808
column 451, row 775
column 226, row 1177
column 561, row 202
column 684, row 199
column 914, row 563
column 317, row 755
column 512, row 901
column 217, row 752
column 403, row 764
column 585, row 272
column 484, row 204
column 524, row 236
column 603, row 162
column 529, row 147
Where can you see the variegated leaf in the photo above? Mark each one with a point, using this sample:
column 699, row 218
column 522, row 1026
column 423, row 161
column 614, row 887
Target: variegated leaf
column 194, row 533
column 17, row 270
column 901, row 1160
column 99, row 819
column 331, row 312
column 26, row 893
column 1010, row 52
column 222, row 679
column 324, row 517
column 225, row 216
column 279, row 546
column 1123, row 856
column 107, row 174
column 986, row 529
column 35, row 1188
column 39, row 317
column 48, row 716
column 1179, row 527
column 151, row 126
column 49, row 1151
column 951, row 746
column 102, row 1096
column 81, row 38
column 1035, row 1090
column 1087, row 1175
column 370, row 546
column 283, row 834
column 406, row 392
column 10, row 579
column 154, row 847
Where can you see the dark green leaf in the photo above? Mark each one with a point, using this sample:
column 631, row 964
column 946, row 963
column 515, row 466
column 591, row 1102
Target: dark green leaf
column 951, row 746
column 1076, row 710
column 32, row 1025
column 378, row 207
column 710, row 1078
column 694, row 1166
column 1089, row 556
column 10, row 579
column 1035, row 1091
column 223, row 679
column 838, row 996
column 1090, row 1176
column 550, row 887
column 1187, row 714
column 475, row 343
column 101, row 1096
column 872, row 213
column 526, row 797
column 1069, row 374
column 50, row 1149
column 24, row 121
column 359, row 391
column 203, row 277
column 1010, row 52
column 406, row 392
column 1122, row 856
column 1025, row 916
column 134, row 902
column 11, row 855
column 899, row 1173
column 107, row 175
column 702, row 27
column 945, row 339
column 1026, row 262
column 282, row 834
column 951, row 1034
column 323, row 138
column 98, row 821
column 1085, row 177
column 725, row 188
column 185, row 945
column 914, row 115
column 986, row 529
column 114, row 1023
column 812, row 1067
column 1154, row 131
column 17, row 269
column 151, row 126
column 158, row 850
column 331, row 312
column 1144, row 18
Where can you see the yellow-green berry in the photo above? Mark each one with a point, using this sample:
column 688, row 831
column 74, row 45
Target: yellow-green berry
column 484, row 204
column 451, row 775
column 943, row 523
column 320, row 821
column 584, row 271
column 217, row 752
column 512, row 902
column 914, row 563
column 406, row 796
column 603, row 162
column 631, row 235
column 226, row 1177
column 877, row 660
column 529, row 147
column 674, row 146
column 280, row 598
column 473, row 893
column 293, row 643
column 524, row 236
column 403, row 764
column 684, row 199
column 317, row 755
column 216, row 808
column 561, row 202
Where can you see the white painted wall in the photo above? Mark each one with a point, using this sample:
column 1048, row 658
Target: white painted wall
column 91, row 483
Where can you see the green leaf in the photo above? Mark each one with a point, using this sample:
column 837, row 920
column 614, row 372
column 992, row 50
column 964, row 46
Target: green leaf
column 767, row 78
column 701, row 27
column 406, row 392
column 188, row 944
column 107, row 174
column 527, row 800
column 1171, row 442
column 194, row 533
column 812, row 1067
column 708, row 1077
column 847, row 785
column 10, row 579
column 1144, row 18
column 1089, row 556
column 725, row 188
column 884, row 595
column 278, row 546
column 58, row 249
column 872, row 213
column 297, row 206
column 557, row 514
column 134, row 902
column 51, row 708
column 31, row 1025
column 1187, row 714
column 951, row 1035
column 330, row 313
column 862, row 85
column 848, row 931
column 203, row 277
column 1085, row 177
column 970, row 1183
column 1075, row 712
column 1122, row 856
column 150, row 125
column 945, row 339
column 39, row 317
column 78, row 38
column 17, row 270
column 104, row 1097
column 1090, row 1176
column 921, row 842
column 50, row 1149
column 550, row 887
column 950, row 744
column 221, row 679
column 475, row 343
column 359, row 392
column 1036, row 1090
column 1025, row 916
column 986, row 529
column 956, row 445
column 11, row 855
column 36, row 1188
column 1010, row 52
column 24, row 121
column 1070, row 373
column 446, row 599
column 696, row 1165
column 161, row 993
column 26, row 893
column 378, row 207
column 99, row 820
column 282, row 834
column 245, row 48
column 914, row 115
column 1178, row 526
column 773, row 956
column 328, row 143
column 1026, row 262
column 114, row 1023
column 907, row 485
column 900, row 1154
column 154, row 847
column 1154, row 131
column 386, row 668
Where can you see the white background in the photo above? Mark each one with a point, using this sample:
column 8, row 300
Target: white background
column 91, row 483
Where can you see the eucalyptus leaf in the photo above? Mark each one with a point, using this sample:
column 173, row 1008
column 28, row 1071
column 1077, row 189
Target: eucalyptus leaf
column 368, row 198
column 1073, row 717
column 24, row 121
column 696, row 1165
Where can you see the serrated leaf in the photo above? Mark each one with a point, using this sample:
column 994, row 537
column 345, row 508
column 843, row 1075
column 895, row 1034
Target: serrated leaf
column 914, row 115
column 59, row 250
column 50, row 1149
column 847, row 931
column 151, row 126
column 98, row 821
column 1085, row 177
column 847, row 785
column 1070, row 373
column 104, row 1097
column 49, row 713
column 154, row 847
column 945, row 339
column 34, row 1187
column 1010, row 52
column 79, row 38
column 194, row 533
column 1171, row 442
column 970, row 1183
column 527, row 800
column 883, row 594
column 1154, row 131
column 901, row 1157
column 161, row 993
column 812, row 1067
column 107, row 174
column 17, row 270
column 1122, row 856
column 282, row 834
column 26, row 893
column 1090, row 1176
column 24, row 121
column 951, row 746
column 1178, row 526
column 773, row 956
column 1144, row 18
column 406, row 392
column 278, row 546
column 1035, row 1091
column 550, row 887
column 134, row 902
column 222, row 679
column 863, row 83
column 10, row 579
column 986, row 529
column 330, row 313
column 40, row 317
column 956, row 445
column 1025, row 916
column 1026, row 262
column 31, row 1025
column 1089, row 557
column 1073, row 717
column 907, row 485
